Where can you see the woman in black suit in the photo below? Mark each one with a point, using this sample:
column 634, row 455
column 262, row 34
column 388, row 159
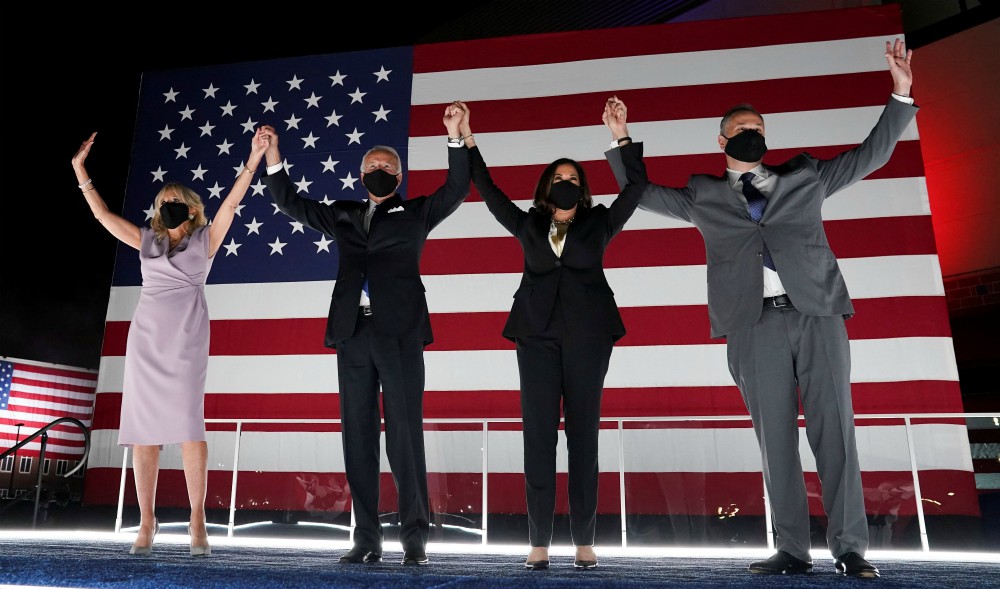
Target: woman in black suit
column 565, row 322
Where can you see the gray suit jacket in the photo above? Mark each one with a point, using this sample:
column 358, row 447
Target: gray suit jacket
column 792, row 227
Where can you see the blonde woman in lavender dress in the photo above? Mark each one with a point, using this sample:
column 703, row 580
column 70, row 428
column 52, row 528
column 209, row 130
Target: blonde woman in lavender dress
column 166, row 354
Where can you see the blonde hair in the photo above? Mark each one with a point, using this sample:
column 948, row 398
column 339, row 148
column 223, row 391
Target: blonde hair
column 189, row 197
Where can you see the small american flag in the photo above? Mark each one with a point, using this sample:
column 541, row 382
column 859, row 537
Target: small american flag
column 35, row 395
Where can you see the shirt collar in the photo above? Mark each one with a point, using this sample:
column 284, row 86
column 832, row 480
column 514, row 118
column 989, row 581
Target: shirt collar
column 734, row 177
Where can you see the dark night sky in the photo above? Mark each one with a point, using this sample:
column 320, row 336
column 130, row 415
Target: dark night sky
column 56, row 259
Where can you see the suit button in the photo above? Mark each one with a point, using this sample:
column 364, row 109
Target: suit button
column 558, row 263
column 760, row 254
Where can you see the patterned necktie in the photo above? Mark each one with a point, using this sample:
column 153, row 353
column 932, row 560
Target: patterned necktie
column 757, row 203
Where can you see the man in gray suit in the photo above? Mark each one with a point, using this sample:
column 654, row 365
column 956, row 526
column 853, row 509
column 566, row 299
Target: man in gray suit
column 775, row 292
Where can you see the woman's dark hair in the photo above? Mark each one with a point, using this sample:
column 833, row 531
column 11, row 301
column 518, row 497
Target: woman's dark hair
column 542, row 201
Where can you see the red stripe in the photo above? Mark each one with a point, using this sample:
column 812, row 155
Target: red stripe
column 732, row 33
column 728, row 494
column 665, row 104
column 665, row 325
column 51, row 371
column 19, row 381
column 849, row 238
column 869, row 398
column 518, row 182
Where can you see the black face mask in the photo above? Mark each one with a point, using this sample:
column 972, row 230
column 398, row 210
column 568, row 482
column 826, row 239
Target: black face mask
column 747, row 146
column 564, row 195
column 173, row 214
column 380, row 183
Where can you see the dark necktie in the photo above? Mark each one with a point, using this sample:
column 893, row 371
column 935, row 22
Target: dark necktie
column 368, row 222
column 757, row 203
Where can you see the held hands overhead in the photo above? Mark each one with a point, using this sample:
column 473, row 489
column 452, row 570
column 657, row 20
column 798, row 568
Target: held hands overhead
column 615, row 118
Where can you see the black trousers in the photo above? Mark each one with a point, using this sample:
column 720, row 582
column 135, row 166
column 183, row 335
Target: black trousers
column 364, row 361
column 560, row 372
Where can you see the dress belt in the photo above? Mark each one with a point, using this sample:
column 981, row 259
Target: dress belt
column 778, row 301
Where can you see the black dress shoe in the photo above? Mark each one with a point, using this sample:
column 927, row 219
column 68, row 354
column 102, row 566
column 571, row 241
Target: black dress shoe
column 585, row 564
column 782, row 563
column 359, row 555
column 417, row 558
column 853, row 565
column 536, row 565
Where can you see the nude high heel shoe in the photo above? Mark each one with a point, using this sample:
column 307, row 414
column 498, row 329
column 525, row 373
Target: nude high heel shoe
column 199, row 550
column 146, row 550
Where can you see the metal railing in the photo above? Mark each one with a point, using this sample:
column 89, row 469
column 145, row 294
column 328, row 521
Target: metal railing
column 619, row 421
column 43, row 433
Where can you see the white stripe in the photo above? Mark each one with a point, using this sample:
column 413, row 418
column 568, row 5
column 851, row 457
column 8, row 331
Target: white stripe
column 56, row 410
column 51, row 392
column 867, row 278
column 891, row 197
column 880, row 448
column 74, row 432
column 50, row 378
column 874, row 360
column 787, row 130
column 52, row 447
column 615, row 74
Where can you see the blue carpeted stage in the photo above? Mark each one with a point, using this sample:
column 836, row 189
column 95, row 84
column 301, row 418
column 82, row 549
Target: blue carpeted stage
column 88, row 559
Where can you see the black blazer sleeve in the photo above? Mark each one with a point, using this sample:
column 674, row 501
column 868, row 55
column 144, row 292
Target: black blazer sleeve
column 445, row 200
column 628, row 199
column 311, row 213
column 506, row 212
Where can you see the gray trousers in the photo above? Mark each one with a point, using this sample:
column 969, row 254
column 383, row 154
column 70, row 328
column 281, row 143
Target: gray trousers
column 782, row 359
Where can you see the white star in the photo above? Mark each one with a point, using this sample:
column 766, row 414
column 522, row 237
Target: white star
column 224, row 146
column 186, row 113
column 199, row 173
column 381, row 114
column 170, row 95
column 232, row 246
column 251, row 87
column 215, row 191
column 329, row 164
column 348, row 182
column 228, row 109
column 258, row 188
column 356, row 96
column 276, row 247
column 333, row 119
column 297, row 227
column 310, row 141
column 239, row 210
column 253, row 226
column 158, row 174
column 338, row 79
column 313, row 100
column 165, row 133
column 382, row 74
column 150, row 212
column 294, row 83
column 292, row 122
column 270, row 104
column 323, row 245
column 206, row 129
column 327, row 200
column 182, row 151
column 276, row 209
column 288, row 166
column 303, row 185
column 248, row 127
column 237, row 170
column 355, row 137
column 210, row 91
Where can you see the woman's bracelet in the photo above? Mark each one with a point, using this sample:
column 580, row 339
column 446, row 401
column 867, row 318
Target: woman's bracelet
column 246, row 169
column 85, row 184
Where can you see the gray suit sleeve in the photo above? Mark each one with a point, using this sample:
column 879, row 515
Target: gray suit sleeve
column 662, row 200
column 873, row 153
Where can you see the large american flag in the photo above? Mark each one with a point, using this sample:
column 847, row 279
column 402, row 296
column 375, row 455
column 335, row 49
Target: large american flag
column 820, row 79
column 35, row 394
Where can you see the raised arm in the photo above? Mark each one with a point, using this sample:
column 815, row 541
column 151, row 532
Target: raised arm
column 445, row 200
column 224, row 217
column 311, row 213
column 121, row 228
column 662, row 200
column 506, row 212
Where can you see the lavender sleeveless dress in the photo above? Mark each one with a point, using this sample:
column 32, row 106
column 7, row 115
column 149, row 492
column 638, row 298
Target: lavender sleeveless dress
column 166, row 355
